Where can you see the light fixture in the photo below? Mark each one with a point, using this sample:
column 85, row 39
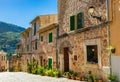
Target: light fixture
column 91, row 11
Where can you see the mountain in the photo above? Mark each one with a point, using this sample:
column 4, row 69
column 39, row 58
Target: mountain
column 9, row 36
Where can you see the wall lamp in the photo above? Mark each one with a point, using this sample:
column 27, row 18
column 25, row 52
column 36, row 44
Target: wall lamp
column 91, row 11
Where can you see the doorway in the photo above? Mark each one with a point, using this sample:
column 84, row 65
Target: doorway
column 66, row 59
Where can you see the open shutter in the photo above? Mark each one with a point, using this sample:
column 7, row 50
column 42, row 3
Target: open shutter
column 50, row 37
column 34, row 28
column 72, row 23
column 79, row 20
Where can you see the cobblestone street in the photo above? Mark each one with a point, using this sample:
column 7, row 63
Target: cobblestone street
column 25, row 77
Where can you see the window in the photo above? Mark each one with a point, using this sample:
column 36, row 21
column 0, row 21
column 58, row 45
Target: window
column 92, row 54
column 79, row 20
column 41, row 38
column 76, row 21
column 72, row 23
column 34, row 28
column 28, row 34
column 27, row 47
column 36, row 45
column 50, row 37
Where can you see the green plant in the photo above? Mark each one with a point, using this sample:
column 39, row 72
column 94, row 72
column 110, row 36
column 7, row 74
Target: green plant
column 41, row 70
column 67, row 74
column 29, row 67
column 112, row 77
column 56, row 73
column 49, row 72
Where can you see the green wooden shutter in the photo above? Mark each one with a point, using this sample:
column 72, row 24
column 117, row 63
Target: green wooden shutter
column 50, row 37
column 41, row 38
column 34, row 28
column 72, row 23
column 79, row 20
column 49, row 63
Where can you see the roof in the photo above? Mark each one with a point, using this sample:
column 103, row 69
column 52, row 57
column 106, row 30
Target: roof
column 38, row 17
column 48, row 27
column 27, row 30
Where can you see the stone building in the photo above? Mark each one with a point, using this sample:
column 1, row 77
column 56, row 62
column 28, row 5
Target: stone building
column 24, row 48
column 83, row 36
column 39, row 23
column 30, row 46
column 47, row 45
column 3, row 61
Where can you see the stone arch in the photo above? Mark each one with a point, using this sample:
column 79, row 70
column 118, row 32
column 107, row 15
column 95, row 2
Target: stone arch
column 65, row 44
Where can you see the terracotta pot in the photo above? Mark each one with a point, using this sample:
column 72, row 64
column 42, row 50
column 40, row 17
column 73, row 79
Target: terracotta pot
column 78, row 78
column 69, row 77
column 73, row 77
column 100, row 81
column 95, row 80
column 82, row 79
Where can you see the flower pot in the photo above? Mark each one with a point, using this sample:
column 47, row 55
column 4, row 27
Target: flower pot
column 73, row 77
column 82, row 79
column 100, row 80
column 78, row 78
column 95, row 80
column 69, row 77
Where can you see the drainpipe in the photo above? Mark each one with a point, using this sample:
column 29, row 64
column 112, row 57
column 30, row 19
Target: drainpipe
column 108, row 32
column 57, row 32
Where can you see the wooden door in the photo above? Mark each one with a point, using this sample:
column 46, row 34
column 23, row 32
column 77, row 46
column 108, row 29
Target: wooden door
column 66, row 60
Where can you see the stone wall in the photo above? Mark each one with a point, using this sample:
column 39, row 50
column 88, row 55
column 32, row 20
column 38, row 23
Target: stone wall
column 94, row 32
column 46, row 49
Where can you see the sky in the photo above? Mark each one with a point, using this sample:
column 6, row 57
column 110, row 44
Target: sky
column 22, row 12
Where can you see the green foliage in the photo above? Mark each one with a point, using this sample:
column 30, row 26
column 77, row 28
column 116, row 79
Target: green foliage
column 112, row 77
column 41, row 70
column 29, row 67
column 9, row 36
column 56, row 73
column 49, row 72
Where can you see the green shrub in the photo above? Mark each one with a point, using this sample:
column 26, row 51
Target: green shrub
column 49, row 72
column 56, row 73
column 29, row 67
column 41, row 70
column 112, row 77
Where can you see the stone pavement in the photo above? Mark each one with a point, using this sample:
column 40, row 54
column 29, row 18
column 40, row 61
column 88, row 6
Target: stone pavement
column 25, row 77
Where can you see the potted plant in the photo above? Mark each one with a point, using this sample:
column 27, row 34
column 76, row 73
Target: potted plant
column 99, row 79
column 73, row 75
column 67, row 75
column 112, row 78
column 78, row 78
column 95, row 78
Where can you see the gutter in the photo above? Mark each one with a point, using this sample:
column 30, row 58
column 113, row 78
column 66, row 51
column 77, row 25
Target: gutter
column 108, row 32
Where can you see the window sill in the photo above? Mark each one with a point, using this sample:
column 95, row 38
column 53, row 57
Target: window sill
column 92, row 65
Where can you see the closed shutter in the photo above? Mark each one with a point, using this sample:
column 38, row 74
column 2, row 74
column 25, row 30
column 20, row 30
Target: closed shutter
column 36, row 45
column 41, row 38
column 72, row 23
column 34, row 28
column 50, row 37
column 79, row 20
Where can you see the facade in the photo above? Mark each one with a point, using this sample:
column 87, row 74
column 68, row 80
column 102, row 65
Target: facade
column 24, row 49
column 47, row 45
column 83, row 37
column 114, row 11
column 40, row 22
column 30, row 46
column 3, row 61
